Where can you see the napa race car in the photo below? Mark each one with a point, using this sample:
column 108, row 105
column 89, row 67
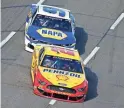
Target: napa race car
column 49, row 25
column 57, row 72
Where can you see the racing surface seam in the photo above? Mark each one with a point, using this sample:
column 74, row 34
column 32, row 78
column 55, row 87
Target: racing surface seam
column 15, row 64
column 118, row 85
column 112, row 55
column 83, row 14
column 106, row 32
column 97, row 45
column 16, row 18
column 10, row 19
column 18, row 6
column 13, row 30
column 15, row 85
column 113, row 48
column 7, row 59
column 107, row 102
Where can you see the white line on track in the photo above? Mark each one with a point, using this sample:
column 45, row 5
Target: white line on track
column 52, row 102
column 90, row 56
column 117, row 21
column 40, row 2
column 13, row 33
column 7, row 38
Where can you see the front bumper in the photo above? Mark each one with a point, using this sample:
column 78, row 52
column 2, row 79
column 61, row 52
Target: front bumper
column 29, row 46
column 60, row 95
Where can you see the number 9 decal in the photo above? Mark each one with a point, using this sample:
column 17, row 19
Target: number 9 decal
column 54, row 11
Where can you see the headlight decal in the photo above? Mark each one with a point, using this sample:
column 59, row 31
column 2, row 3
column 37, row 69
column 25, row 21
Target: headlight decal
column 81, row 89
column 42, row 82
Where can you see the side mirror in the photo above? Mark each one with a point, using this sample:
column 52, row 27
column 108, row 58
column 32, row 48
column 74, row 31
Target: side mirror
column 29, row 22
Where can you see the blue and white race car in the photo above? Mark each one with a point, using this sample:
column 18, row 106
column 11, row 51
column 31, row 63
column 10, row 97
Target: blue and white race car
column 49, row 25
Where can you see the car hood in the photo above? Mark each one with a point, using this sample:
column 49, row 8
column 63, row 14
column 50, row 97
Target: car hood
column 62, row 78
column 51, row 36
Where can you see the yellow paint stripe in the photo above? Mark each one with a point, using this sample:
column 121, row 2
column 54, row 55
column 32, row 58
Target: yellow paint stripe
column 32, row 75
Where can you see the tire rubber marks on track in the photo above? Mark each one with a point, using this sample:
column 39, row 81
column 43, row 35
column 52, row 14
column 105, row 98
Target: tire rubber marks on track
column 119, row 19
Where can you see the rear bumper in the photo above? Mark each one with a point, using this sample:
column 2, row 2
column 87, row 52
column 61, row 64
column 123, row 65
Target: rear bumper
column 29, row 46
column 59, row 96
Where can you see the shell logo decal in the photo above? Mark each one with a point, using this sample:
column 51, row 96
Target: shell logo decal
column 51, row 33
column 62, row 77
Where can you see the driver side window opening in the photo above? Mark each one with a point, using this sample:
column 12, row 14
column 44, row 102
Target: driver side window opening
column 41, row 54
column 72, row 17
column 60, row 63
column 33, row 16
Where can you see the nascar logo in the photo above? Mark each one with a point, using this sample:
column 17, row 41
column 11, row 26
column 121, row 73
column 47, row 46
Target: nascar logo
column 62, row 72
column 50, row 33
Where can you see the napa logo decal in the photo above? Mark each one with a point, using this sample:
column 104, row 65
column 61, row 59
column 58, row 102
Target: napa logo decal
column 50, row 33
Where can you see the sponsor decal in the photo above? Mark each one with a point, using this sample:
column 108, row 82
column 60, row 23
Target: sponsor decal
column 62, row 84
column 62, row 72
column 62, row 77
column 51, row 33
column 63, row 50
column 61, row 93
column 30, row 14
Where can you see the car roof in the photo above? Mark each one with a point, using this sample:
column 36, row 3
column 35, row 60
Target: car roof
column 58, row 51
column 43, row 12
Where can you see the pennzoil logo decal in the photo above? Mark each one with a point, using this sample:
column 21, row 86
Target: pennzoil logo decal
column 62, row 72
column 50, row 33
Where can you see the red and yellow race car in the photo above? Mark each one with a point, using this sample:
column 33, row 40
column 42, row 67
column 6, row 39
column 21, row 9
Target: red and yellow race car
column 58, row 72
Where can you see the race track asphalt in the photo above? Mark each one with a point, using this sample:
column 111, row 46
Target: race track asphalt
column 104, row 72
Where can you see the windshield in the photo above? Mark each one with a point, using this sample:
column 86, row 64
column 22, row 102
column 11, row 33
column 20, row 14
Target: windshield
column 51, row 22
column 62, row 64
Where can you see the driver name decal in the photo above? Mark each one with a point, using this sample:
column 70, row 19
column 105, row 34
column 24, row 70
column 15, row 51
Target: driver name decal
column 51, row 33
column 62, row 72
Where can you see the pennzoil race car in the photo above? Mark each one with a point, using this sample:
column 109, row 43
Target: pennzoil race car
column 49, row 25
column 57, row 72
